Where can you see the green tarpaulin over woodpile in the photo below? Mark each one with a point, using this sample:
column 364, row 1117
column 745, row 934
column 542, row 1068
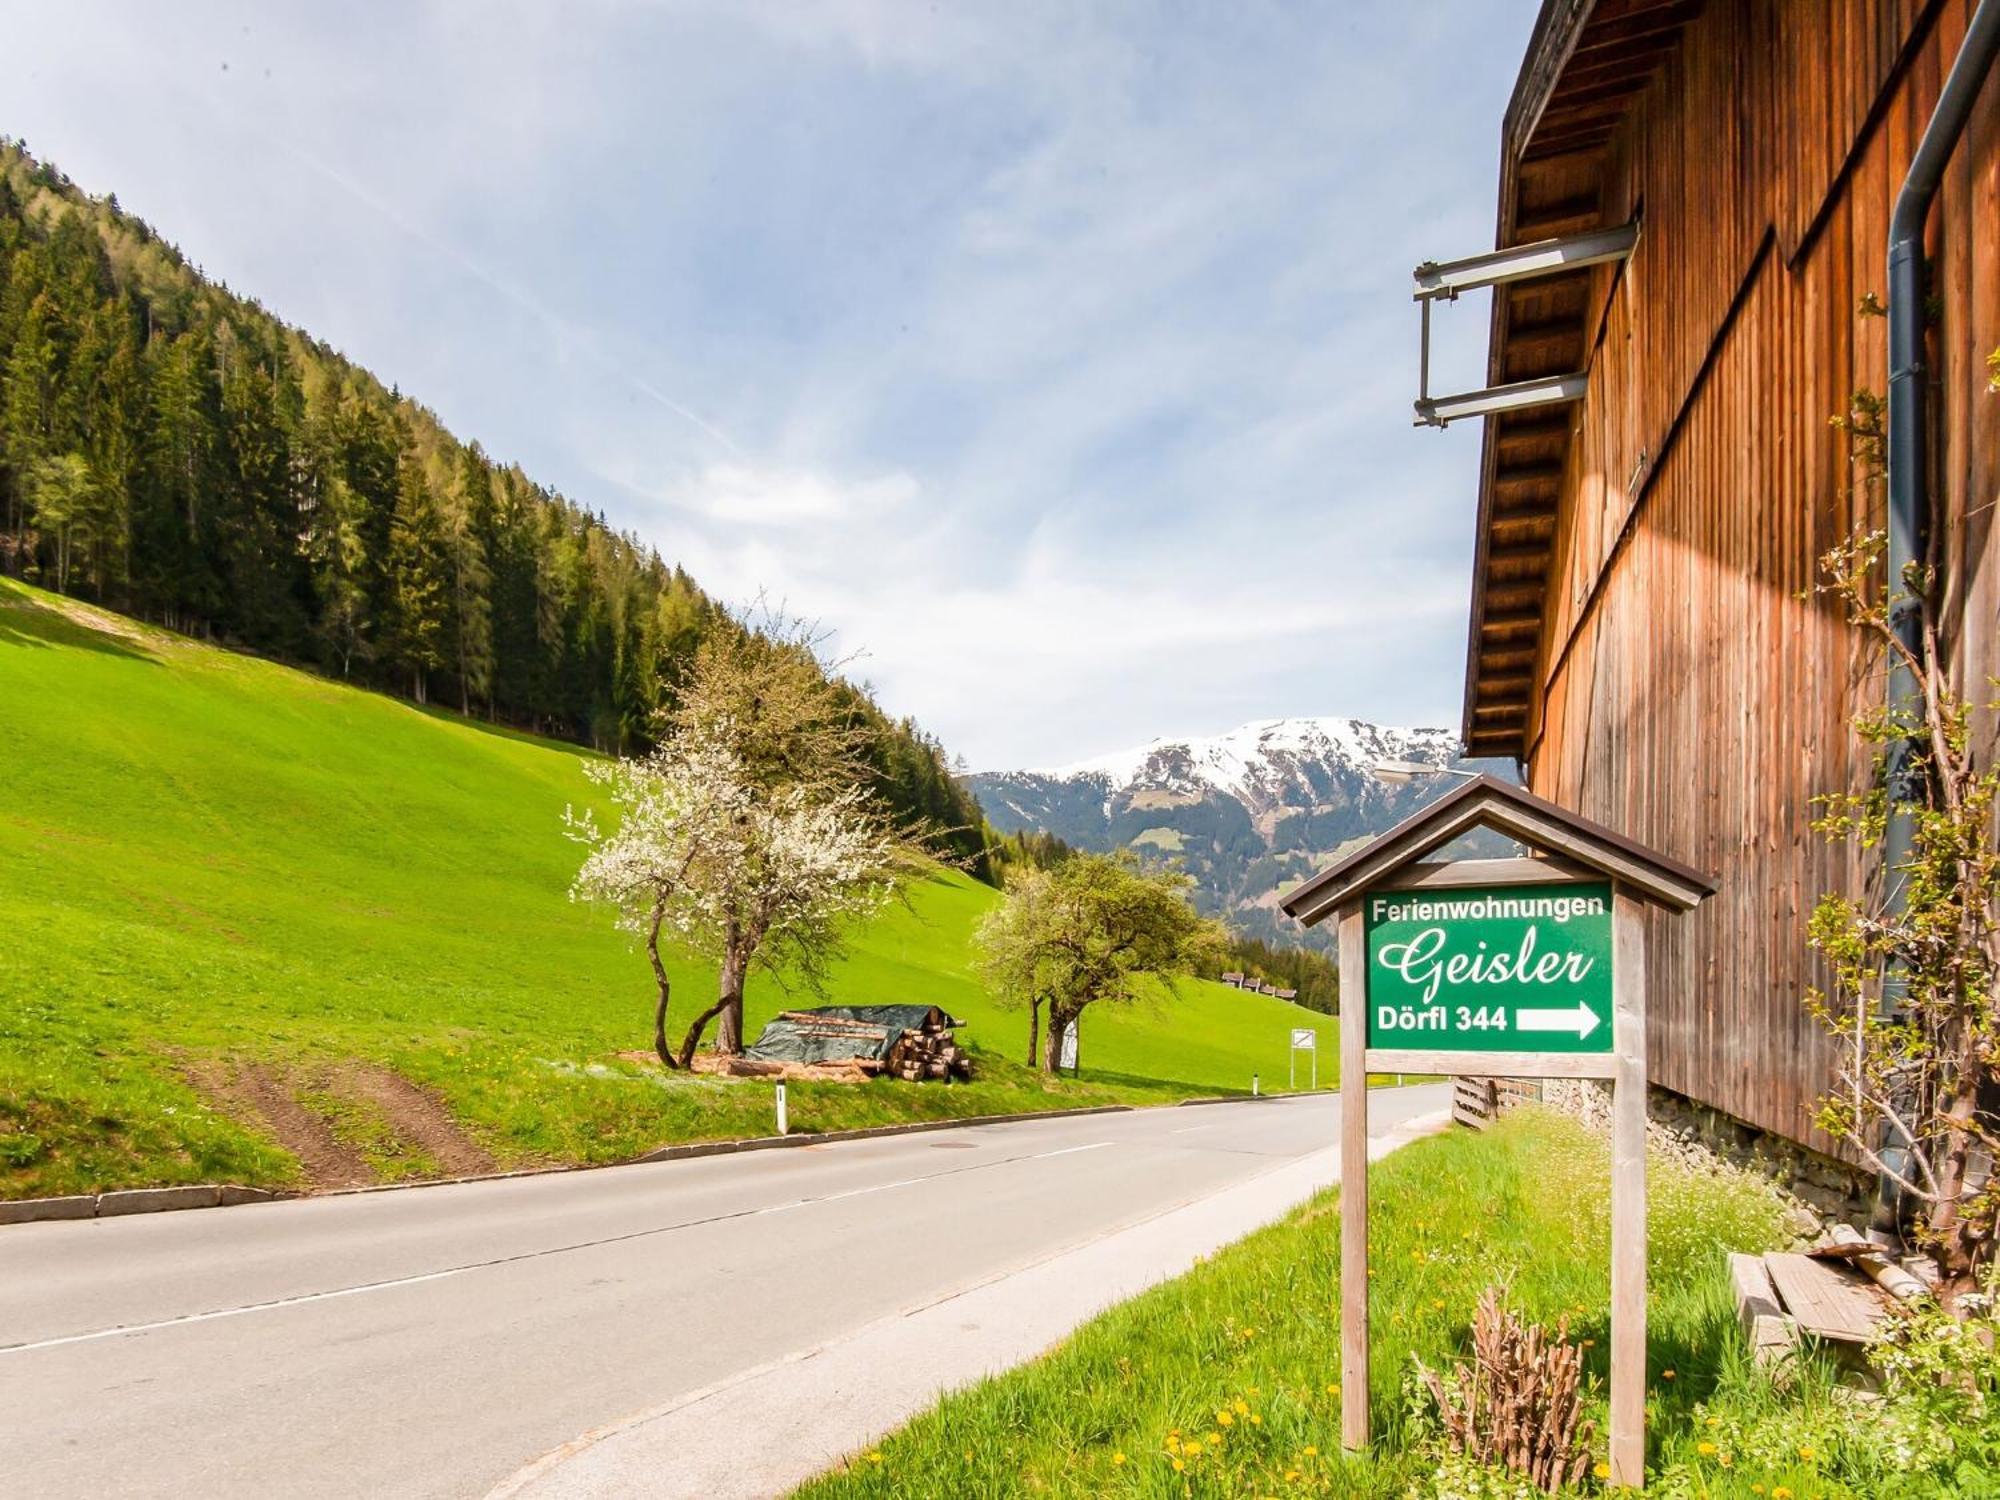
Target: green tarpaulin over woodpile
column 831, row 1032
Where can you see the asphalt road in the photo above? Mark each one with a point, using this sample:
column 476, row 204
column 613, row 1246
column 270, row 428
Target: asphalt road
column 431, row 1342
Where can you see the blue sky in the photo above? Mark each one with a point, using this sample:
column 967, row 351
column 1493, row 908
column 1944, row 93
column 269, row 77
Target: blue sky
column 1058, row 357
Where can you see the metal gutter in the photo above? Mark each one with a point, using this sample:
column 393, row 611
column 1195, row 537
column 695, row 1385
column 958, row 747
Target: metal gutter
column 1909, row 503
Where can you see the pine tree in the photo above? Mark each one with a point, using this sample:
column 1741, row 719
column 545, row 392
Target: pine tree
column 472, row 580
column 420, row 579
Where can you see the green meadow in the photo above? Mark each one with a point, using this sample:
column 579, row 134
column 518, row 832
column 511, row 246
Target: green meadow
column 219, row 875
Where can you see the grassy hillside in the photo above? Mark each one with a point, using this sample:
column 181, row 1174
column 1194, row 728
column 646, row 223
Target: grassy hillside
column 237, row 896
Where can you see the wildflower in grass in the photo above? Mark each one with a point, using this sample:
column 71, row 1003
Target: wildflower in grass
column 1782, row 1492
column 1215, row 1438
column 875, row 1457
column 1725, row 1459
column 1180, row 1466
column 1334, row 1389
column 1225, row 1416
column 1311, row 1451
column 1806, row 1454
column 1706, row 1450
column 1291, row 1476
column 1437, row 1302
column 1666, row 1374
column 1256, row 1420
column 1117, row 1460
column 1240, row 1406
column 1601, row 1469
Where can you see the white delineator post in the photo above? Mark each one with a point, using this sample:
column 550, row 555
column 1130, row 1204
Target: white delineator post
column 1628, row 1192
column 1353, row 1181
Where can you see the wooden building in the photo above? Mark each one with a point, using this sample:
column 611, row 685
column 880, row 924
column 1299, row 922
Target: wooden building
column 1643, row 638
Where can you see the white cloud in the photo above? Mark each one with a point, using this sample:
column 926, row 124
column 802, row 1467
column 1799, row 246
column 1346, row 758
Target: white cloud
column 1060, row 357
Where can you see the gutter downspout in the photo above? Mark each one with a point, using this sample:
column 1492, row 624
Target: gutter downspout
column 1909, row 501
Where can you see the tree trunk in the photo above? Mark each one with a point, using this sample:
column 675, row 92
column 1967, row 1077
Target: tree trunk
column 693, row 1038
column 665, row 987
column 1953, row 1245
column 729, row 1030
column 1034, row 1028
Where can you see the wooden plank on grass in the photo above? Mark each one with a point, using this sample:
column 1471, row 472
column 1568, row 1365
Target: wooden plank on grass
column 1827, row 1299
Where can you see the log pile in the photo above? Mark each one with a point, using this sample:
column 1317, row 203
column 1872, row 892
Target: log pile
column 917, row 1056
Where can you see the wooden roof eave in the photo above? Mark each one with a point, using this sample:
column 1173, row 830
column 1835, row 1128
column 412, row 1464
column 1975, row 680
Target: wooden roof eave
column 1576, row 83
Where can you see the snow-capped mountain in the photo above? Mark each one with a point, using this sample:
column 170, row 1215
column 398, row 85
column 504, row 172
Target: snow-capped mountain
column 1247, row 813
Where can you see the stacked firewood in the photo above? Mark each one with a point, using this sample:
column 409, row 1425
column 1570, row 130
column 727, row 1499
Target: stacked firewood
column 927, row 1054
column 1518, row 1404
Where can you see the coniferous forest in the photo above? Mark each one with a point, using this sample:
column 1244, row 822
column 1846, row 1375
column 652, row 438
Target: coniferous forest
column 173, row 451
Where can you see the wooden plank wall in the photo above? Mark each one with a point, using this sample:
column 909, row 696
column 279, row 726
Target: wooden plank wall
column 1690, row 696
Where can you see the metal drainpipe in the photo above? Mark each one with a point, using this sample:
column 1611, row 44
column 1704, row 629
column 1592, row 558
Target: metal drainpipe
column 1909, row 478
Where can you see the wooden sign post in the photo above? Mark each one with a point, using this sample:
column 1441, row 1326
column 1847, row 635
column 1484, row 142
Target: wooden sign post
column 1499, row 968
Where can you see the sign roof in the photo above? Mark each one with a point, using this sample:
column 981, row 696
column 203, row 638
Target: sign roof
column 1486, row 802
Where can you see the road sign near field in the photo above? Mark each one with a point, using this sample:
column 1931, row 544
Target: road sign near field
column 1305, row 1038
column 1499, row 968
column 1505, row 968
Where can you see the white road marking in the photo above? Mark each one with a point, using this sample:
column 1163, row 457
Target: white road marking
column 231, row 1312
column 399, row 1281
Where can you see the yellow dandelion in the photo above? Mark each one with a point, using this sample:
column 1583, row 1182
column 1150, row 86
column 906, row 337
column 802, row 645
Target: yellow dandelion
column 1215, row 1439
column 1256, row 1420
column 1756, row 1489
column 1806, row 1454
column 1706, row 1450
column 1782, row 1492
column 1179, row 1465
column 875, row 1457
column 1715, row 1421
column 1334, row 1389
column 1117, row 1460
column 1311, row 1451
column 1437, row 1302
column 1601, row 1470
column 1223, row 1418
column 1291, row 1476
column 1240, row 1406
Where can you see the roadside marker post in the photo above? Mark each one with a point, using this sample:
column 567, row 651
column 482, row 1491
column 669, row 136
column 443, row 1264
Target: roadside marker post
column 784, row 1124
column 1499, row 968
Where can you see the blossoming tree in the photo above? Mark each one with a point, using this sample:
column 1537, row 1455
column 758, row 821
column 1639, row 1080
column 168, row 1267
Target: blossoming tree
column 750, row 835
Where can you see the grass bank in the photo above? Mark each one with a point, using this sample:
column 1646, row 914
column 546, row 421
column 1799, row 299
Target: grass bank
column 234, row 893
column 1223, row 1382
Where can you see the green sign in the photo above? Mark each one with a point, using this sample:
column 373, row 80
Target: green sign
column 1512, row 968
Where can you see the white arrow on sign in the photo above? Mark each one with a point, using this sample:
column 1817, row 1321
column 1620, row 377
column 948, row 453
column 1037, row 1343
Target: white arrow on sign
column 1582, row 1020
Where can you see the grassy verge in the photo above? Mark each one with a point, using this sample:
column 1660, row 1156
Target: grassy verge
column 211, row 863
column 1222, row 1383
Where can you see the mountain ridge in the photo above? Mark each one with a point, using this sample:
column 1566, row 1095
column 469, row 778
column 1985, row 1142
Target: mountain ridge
column 1246, row 812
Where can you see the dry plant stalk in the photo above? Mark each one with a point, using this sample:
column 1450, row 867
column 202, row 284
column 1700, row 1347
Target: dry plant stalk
column 1518, row 1404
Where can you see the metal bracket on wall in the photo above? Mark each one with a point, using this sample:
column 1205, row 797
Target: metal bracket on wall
column 1446, row 279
